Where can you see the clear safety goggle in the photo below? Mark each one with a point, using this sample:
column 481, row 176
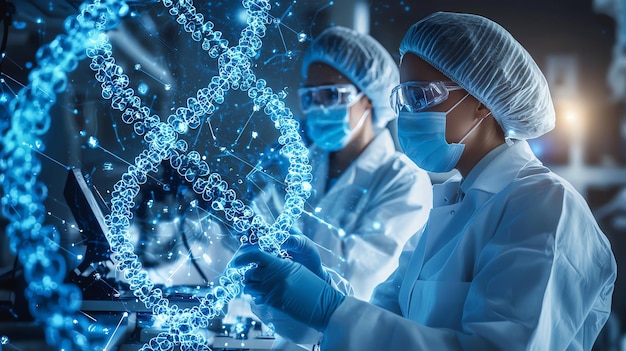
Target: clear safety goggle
column 417, row 96
column 326, row 96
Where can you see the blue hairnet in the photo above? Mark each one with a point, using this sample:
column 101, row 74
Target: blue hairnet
column 363, row 60
column 485, row 60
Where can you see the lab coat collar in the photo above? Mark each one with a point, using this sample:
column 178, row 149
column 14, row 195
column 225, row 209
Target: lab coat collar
column 380, row 149
column 505, row 168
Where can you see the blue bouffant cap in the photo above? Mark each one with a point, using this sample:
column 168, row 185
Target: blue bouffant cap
column 361, row 59
column 485, row 60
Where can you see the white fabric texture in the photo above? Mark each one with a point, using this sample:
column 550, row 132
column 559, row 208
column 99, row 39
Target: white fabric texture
column 518, row 264
column 366, row 217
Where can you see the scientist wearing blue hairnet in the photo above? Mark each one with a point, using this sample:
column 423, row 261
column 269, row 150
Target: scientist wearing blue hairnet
column 367, row 198
column 511, row 257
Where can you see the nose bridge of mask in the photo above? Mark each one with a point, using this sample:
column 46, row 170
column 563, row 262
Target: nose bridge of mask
column 334, row 132
column 328, row 111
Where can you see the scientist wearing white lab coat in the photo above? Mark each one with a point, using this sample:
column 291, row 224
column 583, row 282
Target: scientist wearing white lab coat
column 511, row 257
column 367, row 198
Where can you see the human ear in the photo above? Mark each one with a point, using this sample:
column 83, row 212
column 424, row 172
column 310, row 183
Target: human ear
column 481, row 111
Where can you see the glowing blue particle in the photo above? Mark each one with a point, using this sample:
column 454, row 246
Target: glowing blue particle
column 302, row 37
column 93, row 142
column 142, row 88
column 18, row 24
column 4, row 340
column 107, row 166
column 255, row 135
column 242, row 16
column 318, row 210
column 167, row 87
column 123, row 10
column 341, row 232
column 207, row 259
column 83, row 133
column 137, row 67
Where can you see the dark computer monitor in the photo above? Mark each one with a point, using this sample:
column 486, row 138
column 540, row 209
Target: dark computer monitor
column 89, row 219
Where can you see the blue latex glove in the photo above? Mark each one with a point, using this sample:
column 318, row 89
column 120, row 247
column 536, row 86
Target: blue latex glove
column 288, row 286
column 304, row 251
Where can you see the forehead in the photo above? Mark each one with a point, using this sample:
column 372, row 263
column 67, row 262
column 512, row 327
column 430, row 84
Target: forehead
column 413, row 68
column 320, row 73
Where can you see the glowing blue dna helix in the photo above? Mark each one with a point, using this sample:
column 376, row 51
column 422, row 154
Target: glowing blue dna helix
column 53, row 302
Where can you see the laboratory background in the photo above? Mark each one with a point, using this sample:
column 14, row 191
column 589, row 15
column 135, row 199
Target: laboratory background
column 150, row 55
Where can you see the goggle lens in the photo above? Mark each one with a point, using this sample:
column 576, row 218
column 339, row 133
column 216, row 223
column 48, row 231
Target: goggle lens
column 417, row 96
column 326, row 96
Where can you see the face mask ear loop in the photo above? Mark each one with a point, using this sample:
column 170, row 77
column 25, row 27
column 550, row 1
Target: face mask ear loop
column 356, row 99
column 361, row 121
column 365, row 114
column 458, row 103
column 473, row 128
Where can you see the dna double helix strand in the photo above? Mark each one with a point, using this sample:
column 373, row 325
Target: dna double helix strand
column 57, row 304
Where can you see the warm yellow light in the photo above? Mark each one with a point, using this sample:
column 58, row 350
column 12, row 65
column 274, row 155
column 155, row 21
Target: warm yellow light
column 572, row 116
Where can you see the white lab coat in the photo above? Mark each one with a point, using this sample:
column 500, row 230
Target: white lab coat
column 519, row 264
column 367, row 216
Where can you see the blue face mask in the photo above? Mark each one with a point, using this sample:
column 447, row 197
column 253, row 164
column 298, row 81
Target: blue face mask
column 329, row 128
column 422, row 136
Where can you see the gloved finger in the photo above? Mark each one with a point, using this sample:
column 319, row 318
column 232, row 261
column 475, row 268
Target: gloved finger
column 240, row 251
column 295, row 231
column 255, row 290
column 255, row 275
column 270, row 270
column 249, row 254
column 297, row 244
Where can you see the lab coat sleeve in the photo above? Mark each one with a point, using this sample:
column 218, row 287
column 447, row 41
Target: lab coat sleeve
column 543, row 281
column 372, row 249
column 360, row 326
column 386, row 293
column 291, row 329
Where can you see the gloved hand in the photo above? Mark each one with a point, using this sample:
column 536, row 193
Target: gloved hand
column 288, row 286
column 304, row 251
